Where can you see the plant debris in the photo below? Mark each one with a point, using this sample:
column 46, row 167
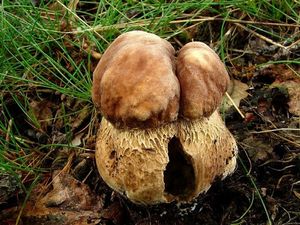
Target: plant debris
column 69, row 202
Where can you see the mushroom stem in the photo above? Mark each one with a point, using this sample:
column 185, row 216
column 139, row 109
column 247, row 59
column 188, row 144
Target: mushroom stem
column 143, row 164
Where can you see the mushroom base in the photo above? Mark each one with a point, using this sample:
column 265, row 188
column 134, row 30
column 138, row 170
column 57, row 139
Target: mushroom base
column 177, row 161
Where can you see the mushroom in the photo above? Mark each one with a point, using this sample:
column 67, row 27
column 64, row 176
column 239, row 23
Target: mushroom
column 161, row 137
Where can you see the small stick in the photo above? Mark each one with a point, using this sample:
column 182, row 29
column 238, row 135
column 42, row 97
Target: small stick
column 235, row 106
column 274, row 130
column 260, row 36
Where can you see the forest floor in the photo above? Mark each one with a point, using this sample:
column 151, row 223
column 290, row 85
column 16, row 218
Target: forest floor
column 49, row 125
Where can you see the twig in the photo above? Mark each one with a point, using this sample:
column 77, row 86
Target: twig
column 288, row 140
column 235, row 106
column 274, row 130
column 260, row 36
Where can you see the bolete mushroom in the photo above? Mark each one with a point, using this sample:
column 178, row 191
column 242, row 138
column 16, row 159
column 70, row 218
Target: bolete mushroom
column 161, row 137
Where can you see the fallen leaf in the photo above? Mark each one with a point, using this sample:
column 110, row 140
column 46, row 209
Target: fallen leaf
column 237, row 91
column 69, row 202
column 68, row 193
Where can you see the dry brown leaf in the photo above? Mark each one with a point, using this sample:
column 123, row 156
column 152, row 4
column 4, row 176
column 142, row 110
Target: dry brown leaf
column 237, row 91
column 68, row 193
column 69, row 202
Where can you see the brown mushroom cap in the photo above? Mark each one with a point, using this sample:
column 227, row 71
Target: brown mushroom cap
column 176, row 161
column 203, row 80
column 134, row 84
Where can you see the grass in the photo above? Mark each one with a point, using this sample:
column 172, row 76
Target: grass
column 49, row 49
